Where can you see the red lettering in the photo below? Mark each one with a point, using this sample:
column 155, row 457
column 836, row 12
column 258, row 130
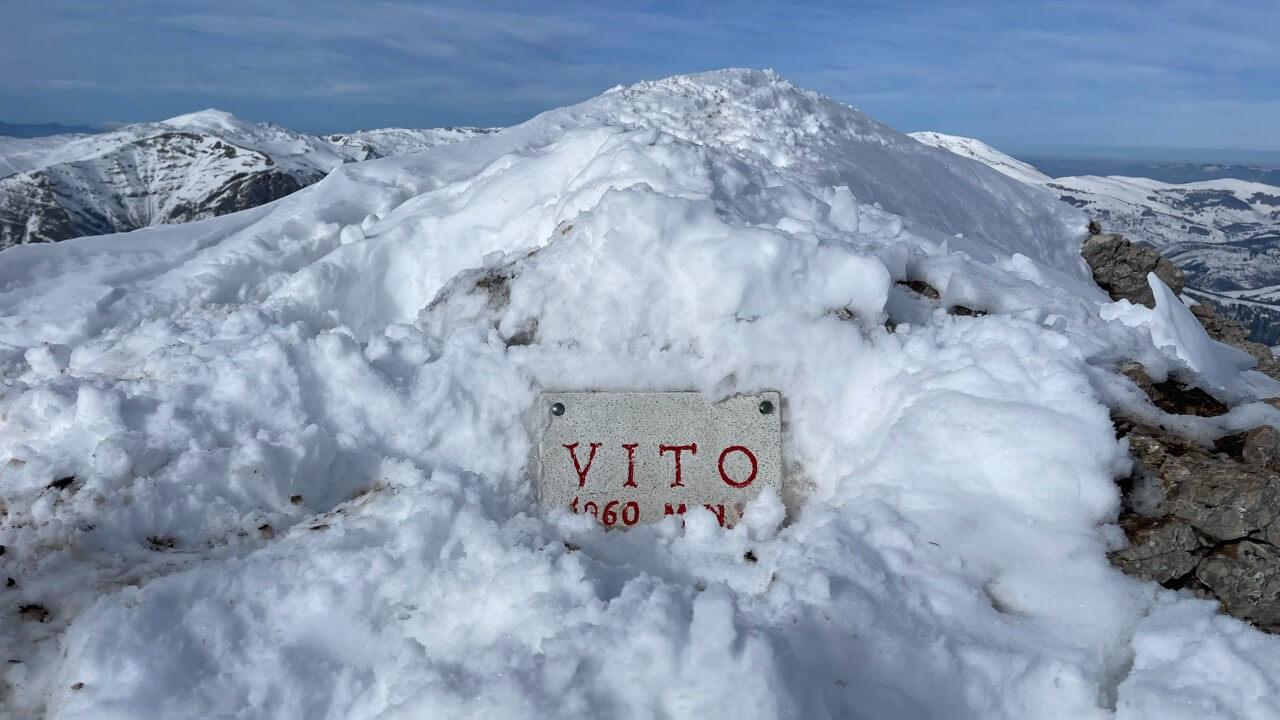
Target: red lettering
column 718, row 511
column 582, row 472
column 631, row 464
column 678, row 510
column 609, row 515
column 677, row 449
column 725, row 476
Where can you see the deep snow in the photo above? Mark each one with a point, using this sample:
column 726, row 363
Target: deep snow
column 299, row 438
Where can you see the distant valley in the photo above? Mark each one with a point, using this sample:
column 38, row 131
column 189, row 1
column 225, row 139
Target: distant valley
column 1164, row 172
column 1224, row 233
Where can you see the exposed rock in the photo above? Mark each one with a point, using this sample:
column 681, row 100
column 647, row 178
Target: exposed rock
column 1220, row 497
column 1162, row 549
column 35, row 612
column 921, row 287
column 1172, row 396
column 964, row 311
column 1206, row 519
column 194, row 167
column 1245, row 577
column 30, row 213
column 1261, row 447
column 1120, row 268
column 1218, row 327
column 239, row 193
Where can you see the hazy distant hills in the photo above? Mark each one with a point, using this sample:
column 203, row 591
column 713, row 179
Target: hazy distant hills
column 1223, row 232
column 31, row 130
column 1164, row 172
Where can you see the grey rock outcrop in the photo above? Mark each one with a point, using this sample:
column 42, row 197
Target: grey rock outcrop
column 1262, row 448
column 1245, row 577
column 30, row 211
column 1201, row 519
column 1197, row 517
column 1120, row 267
column 1172, row 396
column 1162, row 549
column 238, row 193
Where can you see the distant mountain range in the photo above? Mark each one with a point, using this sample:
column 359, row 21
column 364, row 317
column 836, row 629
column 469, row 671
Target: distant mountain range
column 186, row 168
column 1164, row 172
column 1223, row 233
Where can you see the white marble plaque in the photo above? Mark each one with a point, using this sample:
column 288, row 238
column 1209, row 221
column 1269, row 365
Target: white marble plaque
column 631, row 458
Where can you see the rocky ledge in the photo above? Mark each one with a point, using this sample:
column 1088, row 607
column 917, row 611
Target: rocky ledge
column 1205, row 518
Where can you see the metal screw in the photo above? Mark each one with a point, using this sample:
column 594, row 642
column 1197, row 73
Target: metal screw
column 766, row 407
column 557, row 409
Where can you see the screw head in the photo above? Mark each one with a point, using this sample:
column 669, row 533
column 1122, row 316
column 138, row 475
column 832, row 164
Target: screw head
column 557, row 409
column 766, row 407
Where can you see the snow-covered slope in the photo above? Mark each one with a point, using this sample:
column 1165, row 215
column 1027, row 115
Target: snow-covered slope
column 1225, row 234
column 186, row 168
column 277, row 464
column 385, row 142
column 983, row 153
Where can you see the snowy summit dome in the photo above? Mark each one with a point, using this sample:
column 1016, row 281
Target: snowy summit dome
column 292, row 466
column 210, row 120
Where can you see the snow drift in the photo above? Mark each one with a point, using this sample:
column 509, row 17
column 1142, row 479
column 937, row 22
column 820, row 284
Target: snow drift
column 291, row 473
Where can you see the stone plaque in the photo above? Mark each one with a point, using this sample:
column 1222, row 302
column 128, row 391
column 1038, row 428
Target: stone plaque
column 631, row 458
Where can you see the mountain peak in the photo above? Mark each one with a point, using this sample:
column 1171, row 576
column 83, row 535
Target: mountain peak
column 983, row 153
column 208, row 120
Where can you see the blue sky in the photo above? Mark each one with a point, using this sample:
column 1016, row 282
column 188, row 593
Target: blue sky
column 1022, row 75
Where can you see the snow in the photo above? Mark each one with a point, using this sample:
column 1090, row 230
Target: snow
column 301, row 457
column 191, row 166
column 984, row 153
column 1221, row 369
column 297, row 153
column 1219, row 231
column 1166, row 216
column 383, row 142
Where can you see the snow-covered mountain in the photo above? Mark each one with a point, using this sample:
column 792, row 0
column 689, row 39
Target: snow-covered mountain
column 1175, row 173
column 1224, row 234
column 983, row 153
column 278, row 463
column 186, row 168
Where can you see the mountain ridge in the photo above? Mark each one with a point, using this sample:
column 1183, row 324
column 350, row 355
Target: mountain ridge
column 188, row 167
column 1224, row 233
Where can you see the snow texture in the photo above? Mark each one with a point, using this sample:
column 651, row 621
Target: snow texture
column 277, row 464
